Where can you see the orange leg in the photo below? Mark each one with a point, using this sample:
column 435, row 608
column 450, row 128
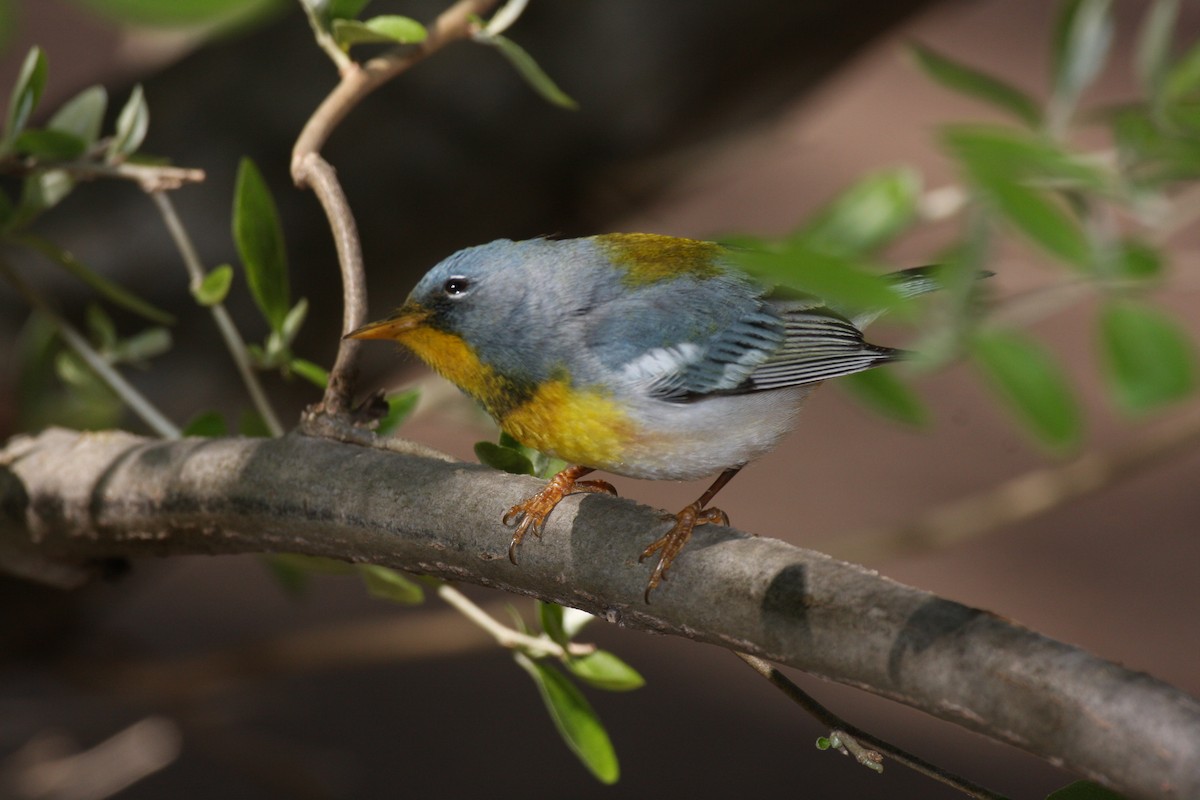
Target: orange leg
column 530, row 515
column 672, row 542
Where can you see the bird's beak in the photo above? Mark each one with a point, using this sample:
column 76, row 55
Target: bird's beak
column 405, row 319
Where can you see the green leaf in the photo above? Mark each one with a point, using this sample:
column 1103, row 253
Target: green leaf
column 1137, row 260
column 1183, row 79
column 313, row 373
column 41, row 191
column 214, row 287
column 49, row 145
column 604, row 670
column 142, row 346
column 101, row 327
column 82, row 115
column 969, row 81
column 259, row 238
column 1081, row 42
column 1154, row 45
column 864, row 217
column 503, row 458
column 251, row 423
column 1150, row 155
column 110, row 291
column 1149, row 360
column 388, row 584
column 346, row 9
column 132, row 124
column 400, row 405
column 844, row 283
column 388, row 29
column 1033, row 385
column 1084, row 790
column 987, row 150
column 881, row 391
column 530, row 71
column 574, row 718
column 293, row 322
column 550, row 617
column 31, row 80
column 207, row 424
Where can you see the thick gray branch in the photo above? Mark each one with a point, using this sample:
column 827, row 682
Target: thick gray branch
column 67, row 498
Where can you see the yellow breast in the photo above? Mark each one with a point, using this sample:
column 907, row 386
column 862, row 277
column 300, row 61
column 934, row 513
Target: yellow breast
column 580, row 426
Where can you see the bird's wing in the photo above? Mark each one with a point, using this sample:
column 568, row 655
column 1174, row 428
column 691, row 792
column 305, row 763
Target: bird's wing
column 679, row 344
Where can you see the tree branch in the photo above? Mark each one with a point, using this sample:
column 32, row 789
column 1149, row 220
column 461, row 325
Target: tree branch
column 67, row 498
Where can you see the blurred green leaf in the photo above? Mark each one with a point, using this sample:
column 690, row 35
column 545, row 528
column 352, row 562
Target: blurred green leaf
column 974, row 83
column 110, row 291
column 41, row 191
column 27, row 90
column 503, row 458
column 389, row 29
column 82, row 115
column 604, row 670
column 388, row 584
column 101, row 327
column 1154, row 45
column 251, row 423
column 293, row 322
column 220, row 14
column 1182, row 79
column 882, row 392
column 313, row 373
column 1029, row 380
column 132, row 124
column 142, row 346
column 844, row 283
column 1149, row 359
column 214, row 287
column 550, row 617
column 41, row 397
column 1084, row 790
column 346, row 9
column 400, row 405
column 259, row 238
column 1150, row 155
column 1081, row 41
column 574, row 718
column 1137, row 260
column 864, row 217
column 207, row 424
column 530, row 71
column 49, row 145
column 1016, row 156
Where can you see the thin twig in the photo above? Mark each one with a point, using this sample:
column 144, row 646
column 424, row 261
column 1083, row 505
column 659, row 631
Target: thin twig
column 505, row 636
column 310, row 170
column 1023, row 497
column 836, row 724
column 150, row 178
column 224, row 322
column 136, row 401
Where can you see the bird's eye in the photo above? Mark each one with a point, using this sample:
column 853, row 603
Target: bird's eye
column 456, row 286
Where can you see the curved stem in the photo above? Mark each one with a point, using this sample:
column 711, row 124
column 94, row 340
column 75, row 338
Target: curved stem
column 229, row 331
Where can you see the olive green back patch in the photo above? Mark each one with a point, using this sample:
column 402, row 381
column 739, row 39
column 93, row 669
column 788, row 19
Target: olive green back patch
column 650, row 257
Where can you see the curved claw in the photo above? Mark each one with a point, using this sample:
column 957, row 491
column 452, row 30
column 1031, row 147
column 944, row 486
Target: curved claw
column 530, row 514
column 671, row 543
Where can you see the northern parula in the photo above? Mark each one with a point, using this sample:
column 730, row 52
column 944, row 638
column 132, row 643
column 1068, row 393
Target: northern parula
column 638, row 354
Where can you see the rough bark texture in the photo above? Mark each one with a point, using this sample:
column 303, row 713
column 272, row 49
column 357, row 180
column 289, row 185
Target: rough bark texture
column 68, row 498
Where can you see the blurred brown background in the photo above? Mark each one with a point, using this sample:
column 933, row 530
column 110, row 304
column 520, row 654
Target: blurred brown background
column 697, row 118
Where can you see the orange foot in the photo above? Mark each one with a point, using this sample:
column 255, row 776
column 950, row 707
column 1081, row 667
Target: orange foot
column 530, row 515
column 673, row 540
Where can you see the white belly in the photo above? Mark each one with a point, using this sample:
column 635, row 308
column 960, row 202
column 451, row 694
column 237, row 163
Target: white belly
column 685, row 441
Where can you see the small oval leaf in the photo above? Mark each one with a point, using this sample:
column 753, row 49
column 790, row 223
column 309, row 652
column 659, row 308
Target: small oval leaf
column 82, row 115
column 503, row 458
column 605, row 671
column 207, row 424
column 313, row 373
column 214, row 288
column 259, row 238
column 27, row 90
column 400, row 406
column 132, row 124
column 388, row 584
column 550, row 616
column 574, row 718
column 49, row 145
column 882, row 392
column 979, row 85
column 533, row 74
column 1149, row 359
column 1030, row 382
column 864, row 217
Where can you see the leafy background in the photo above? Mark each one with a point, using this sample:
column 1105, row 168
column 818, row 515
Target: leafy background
column 732, row 149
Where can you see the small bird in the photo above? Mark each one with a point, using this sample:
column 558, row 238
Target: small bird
column 637, row 354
